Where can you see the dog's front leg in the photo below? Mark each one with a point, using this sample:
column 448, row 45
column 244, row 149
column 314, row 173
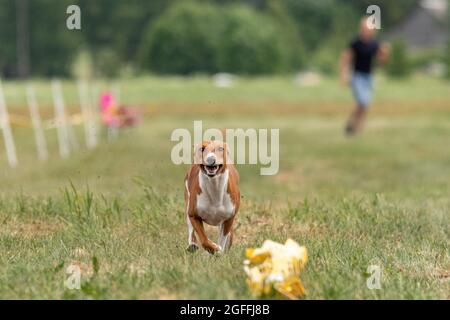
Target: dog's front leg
column 207, row 244
column 192, row 240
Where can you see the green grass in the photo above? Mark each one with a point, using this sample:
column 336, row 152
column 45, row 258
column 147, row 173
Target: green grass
column 117, row 211
column 155, row 91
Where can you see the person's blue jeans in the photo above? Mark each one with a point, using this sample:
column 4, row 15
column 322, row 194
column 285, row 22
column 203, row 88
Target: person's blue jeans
column 362, row 85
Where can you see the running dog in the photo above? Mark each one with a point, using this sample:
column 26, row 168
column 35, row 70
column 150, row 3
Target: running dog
column 212, row 196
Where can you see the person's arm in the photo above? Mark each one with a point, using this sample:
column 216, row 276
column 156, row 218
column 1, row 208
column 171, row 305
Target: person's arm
column 383, row 53
column 344, row 66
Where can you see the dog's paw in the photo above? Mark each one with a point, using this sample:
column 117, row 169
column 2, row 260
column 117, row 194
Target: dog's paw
column 221, row 250
column 192, row 248
column 211, row 247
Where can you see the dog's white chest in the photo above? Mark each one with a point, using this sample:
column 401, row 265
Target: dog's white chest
column 214, row 204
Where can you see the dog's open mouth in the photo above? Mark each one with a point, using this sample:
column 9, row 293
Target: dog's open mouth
column 211, row 170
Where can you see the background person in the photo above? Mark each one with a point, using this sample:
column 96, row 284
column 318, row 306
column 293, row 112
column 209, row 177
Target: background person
column 358, row 59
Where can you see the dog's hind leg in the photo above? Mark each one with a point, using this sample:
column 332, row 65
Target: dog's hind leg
column 226, row 234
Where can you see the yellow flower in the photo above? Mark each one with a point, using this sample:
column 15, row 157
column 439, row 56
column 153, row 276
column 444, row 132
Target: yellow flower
column 275, row 269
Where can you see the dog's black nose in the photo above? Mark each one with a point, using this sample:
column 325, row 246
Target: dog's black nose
column 210, row 161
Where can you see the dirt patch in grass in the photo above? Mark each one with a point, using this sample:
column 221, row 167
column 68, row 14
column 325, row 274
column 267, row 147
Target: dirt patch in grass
column 324, row 108
column 160, row 294
column 245, row 229
column 288, row 176
column 31, row 229
column 138, row 267
column 309, row 229
column 290, row 108
column 442, row 274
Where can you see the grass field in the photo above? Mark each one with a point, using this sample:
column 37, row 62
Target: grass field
column 381, row 198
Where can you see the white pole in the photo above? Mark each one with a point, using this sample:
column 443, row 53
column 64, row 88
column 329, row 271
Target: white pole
column 61, row 123
column 88, row 115
column 93, row 110
column 72, row 137
column 7, row 134
column 41, row 145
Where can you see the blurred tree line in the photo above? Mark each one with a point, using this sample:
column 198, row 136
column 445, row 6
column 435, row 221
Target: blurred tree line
column 182, row 36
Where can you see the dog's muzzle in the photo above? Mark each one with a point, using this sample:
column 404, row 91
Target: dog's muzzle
column 211, row 167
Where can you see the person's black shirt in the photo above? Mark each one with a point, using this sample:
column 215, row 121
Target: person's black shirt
column 363, row 54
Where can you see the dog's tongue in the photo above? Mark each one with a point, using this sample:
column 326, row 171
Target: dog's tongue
column 211, row 169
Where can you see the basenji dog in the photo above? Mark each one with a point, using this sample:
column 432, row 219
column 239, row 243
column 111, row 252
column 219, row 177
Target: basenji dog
column 212, row 196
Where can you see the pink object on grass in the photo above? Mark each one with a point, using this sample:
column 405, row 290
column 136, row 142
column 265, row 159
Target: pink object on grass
column 117, row 116
column 108, row 108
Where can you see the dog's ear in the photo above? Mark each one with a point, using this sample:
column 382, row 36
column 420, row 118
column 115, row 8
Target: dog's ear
column 223, row 131
column 227, row 154
column 198, row 153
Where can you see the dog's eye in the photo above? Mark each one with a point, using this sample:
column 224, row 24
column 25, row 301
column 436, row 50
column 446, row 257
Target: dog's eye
column 220, row 149
column 201, row 149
